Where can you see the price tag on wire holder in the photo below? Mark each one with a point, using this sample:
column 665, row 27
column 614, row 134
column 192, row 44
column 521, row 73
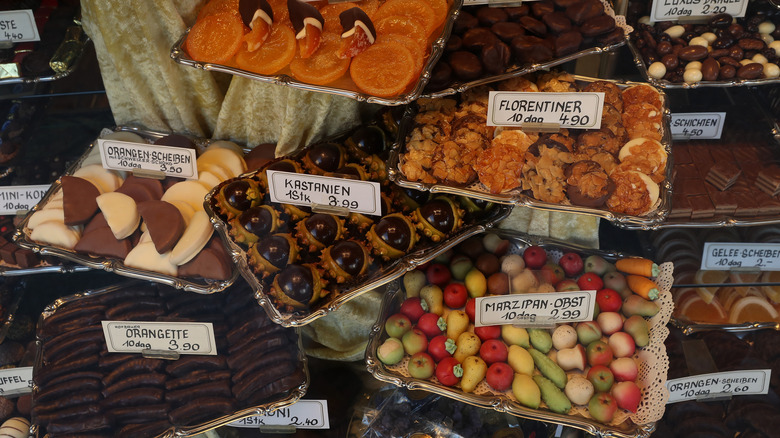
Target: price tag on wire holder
column 152, row 338
column 304, row 414
column 580, row 110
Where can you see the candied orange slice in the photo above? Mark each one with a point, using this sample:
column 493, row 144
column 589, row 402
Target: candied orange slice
column 309, row 43
column 417, row 9
column 324, row 66
column 257, row 36
column 400, row 25
column 418, row 49
column 694, row 308
column 215, row 38
column 217, row 6
column 383, row 70
column 370, row 7
column 277, row 51
column 753, row 309
column 331, row 15
column 441, row 9
column 281, row 13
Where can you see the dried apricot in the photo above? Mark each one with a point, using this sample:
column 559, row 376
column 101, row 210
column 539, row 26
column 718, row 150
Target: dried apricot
column 384, row 69
column 400, row 25
column 324, row 66
column 215, row 38
column 277, row 51
column 417, row 9
column 217, row 6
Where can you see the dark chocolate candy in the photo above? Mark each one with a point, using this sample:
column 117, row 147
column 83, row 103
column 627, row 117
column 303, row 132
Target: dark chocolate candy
column 248, row 8
column 567, row 43
column 78, row 201
column 207, row 264
column 101, row 242
column 517, row 12
column 477, row 38
column 557, row 22
column 495, row 57
column 454, row 43
column 164, row 223
column 465, row 65
column 260, row 155
column 597, row 26
column 176, row 140
column 528, row 48
column 351, row 17
column 139, row 192
column 488, row 16
column 585, row 10
column 464, row 22
column 506, row 30
column 542, row 8
column 300, row 11
column 533, row 26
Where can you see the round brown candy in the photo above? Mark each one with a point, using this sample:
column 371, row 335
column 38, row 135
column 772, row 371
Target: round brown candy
column 693, row 53
column 727, row 72
column 670, row 61
column 534, row 26
column 710, row 69
column 516, row 13
column 585, row 10
column 506, row 30
column 464, row 22
column 528, row 48
column 441, row 76
column 751, row 44
column 567, row 43
column 727, row 60
column 454, row 43
column 465, row 65
column 488, row 16
column 597, row 26
column 664, row 48
column 477, row 38
column 557, row 22
column 495, row 57
column 753, row 70
column 736, row 52
column 615, row 36
column 542, row 8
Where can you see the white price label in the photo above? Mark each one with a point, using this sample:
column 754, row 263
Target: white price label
column 743, row 382
column 666, row 10
column 18, row 26
column 535, row 309
column 568, row 110
column 725, row 256
column 299, row 189
column 171, row 160
column 304, row 414
column 181, row 337
column 16, row 381
column 16, row 198
column 701, row 126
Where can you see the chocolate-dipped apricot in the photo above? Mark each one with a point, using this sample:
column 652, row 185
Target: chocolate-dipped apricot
column 258, row 16
column 358, row 32
column 318, row 231
column 272, row 253
column 392, row 237
column 296, row 287
column 345, row 260
column 254, row 223
column 438, row 218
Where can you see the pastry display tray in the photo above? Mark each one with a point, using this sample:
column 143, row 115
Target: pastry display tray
column 520, row 70
column 44, row 268
column 688, row 327
column 342, row 87
column 652, row 371
column 513, row 197
column 22, row 238
column 278, row 401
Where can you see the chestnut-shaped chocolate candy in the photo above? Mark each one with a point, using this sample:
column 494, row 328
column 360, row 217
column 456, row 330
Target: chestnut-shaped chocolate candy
column 255, row 223
column 319, row 230
column 324, row 157
column 238, row 196
column 272, row 253
column 296, row 287
column 367, row 140
column 438, row 218
column 496, row 57
column 345, row 260
column 392, row 237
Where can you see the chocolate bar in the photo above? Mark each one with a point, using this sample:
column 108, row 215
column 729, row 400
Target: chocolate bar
column 723, row 175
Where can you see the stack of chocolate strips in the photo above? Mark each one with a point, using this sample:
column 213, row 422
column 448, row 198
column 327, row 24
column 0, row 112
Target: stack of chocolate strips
column 768, row 180
column 723, row 175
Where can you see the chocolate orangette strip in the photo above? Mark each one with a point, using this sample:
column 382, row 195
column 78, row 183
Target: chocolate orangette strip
column 84, row 389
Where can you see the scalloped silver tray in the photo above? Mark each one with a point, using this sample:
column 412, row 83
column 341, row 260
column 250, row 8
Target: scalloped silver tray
column 649, row 221
column 22, row 238
column 383, row 276
column 663, row 83
column 459, row 87
column 262, row 409
column 394, row 296
column 690, row 328
column 10, row 271
column 181, row 56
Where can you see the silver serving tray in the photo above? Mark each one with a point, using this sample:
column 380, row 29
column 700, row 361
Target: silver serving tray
column 520, row 70
column 330, row 304
column 663, row 83
column 11, row 271
column 649, row 221
column 437, row 48
column 22, row 238
column 502, row 403
column 263, row 409
column 690, row 328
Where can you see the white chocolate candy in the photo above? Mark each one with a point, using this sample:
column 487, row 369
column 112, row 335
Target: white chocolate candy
column 46, row 215
column 220, row 171
column 766, row 27
column 105, row 180
column 225, row 144
column 208, row 179
column 145, row 256
column 693, row 65
column 775, row 45
column 771, row 70
column 225, row 157
column 657, row 70
column 195, row 237
column 644, row 19
column 675, row 31
column 191, row 192
column 692, row 75
column 16, row 427
column 768, row 39
column 759, row 58
column 121, row 213
column 746, row 61
column 698, row 41
column 56, row 234
column 185, row 209
column 709, row 36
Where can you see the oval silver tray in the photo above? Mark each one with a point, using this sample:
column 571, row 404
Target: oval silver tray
column 262, row 409
column 520, row 70
column 649, row 221
column 181, row 56
column 22, row 238
column 502, row 402
column 383, row 276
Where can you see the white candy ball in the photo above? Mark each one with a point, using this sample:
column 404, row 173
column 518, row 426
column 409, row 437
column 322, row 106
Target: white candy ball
column 698, row 41
column 696, row 65
column 675, row 31
column 767, row 38
column 692, row 76
column 771, row 71
column 644, row 20
column 766, row 27
column 709, row 36
column 746, row 61
column 759, row 58
column 775, row 45
column 657, row 70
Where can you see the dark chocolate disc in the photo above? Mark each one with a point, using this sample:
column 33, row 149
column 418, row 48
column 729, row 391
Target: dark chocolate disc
column 275, row 249
column 297, row 282
column 439, row 214
column 326, row 156
column 247, row 9
column 322, row 227
column 395, row 232
column 257, row 220
column 237, row 194
column 176, row 140
column 349, row 256
column 368, row 139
